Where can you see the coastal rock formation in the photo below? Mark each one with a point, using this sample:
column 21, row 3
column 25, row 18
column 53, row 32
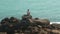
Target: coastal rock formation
column 28, row 25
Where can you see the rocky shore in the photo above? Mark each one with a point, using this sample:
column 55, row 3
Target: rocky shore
column 28, row 25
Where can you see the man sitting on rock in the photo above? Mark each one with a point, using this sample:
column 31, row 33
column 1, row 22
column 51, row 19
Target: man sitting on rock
column 25, row 21
column 28, row 16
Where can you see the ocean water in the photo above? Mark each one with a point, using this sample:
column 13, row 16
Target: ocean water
column 48, row 9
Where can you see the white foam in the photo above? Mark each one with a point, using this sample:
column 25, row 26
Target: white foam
column 54, row 22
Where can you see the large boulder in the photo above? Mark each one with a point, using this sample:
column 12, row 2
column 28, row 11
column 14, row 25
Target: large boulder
column 43, row 22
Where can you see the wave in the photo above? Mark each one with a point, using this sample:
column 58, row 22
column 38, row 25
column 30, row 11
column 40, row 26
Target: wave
column 54, row 22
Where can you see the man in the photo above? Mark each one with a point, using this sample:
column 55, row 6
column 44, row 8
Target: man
column 28, row 14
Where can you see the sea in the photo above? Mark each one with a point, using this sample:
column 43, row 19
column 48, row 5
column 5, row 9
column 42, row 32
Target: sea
column 46, row 9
